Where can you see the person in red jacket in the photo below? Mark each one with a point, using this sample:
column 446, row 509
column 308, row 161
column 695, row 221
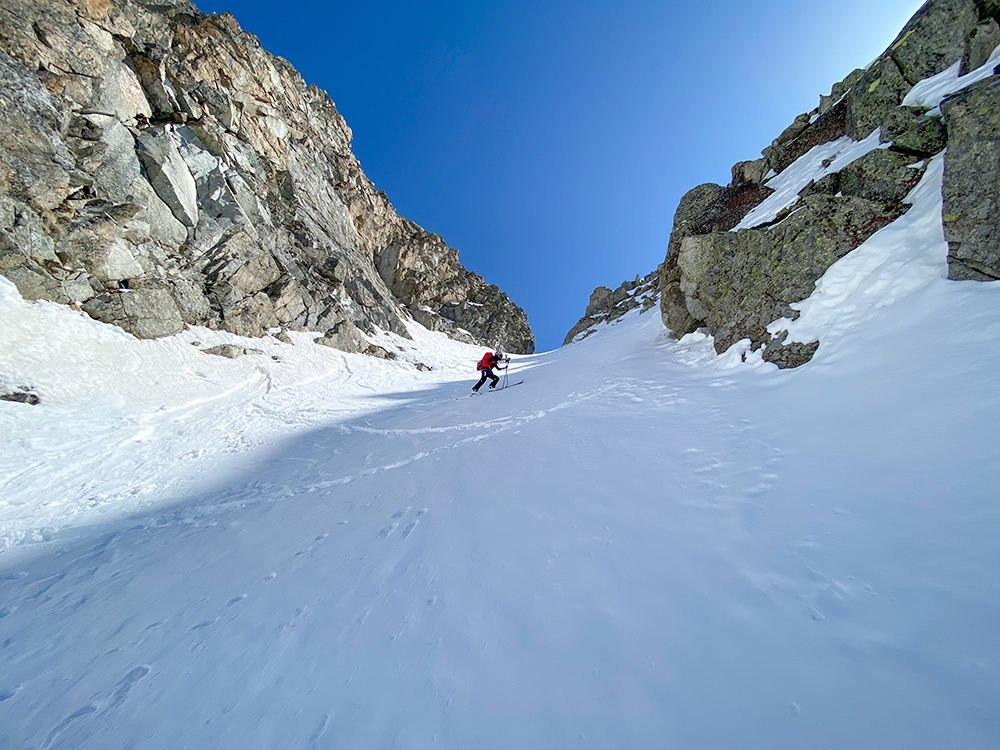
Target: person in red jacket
column 486, row 365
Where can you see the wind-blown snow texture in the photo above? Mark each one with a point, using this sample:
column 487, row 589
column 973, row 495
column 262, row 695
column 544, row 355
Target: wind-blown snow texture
column 645, row 545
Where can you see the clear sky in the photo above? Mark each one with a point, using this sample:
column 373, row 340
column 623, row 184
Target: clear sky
column 550, row 141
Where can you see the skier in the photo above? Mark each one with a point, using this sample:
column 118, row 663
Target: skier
column 486, row 365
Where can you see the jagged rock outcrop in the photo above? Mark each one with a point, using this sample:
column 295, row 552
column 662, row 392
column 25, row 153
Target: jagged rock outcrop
column 231, row 351
column 735, row 283
column 21, row 395
column 158, row 168
column 607, row 306
column 721, row 276
column 704, row 209
column 420, row 268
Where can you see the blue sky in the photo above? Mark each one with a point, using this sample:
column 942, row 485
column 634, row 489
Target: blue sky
column 550, row 142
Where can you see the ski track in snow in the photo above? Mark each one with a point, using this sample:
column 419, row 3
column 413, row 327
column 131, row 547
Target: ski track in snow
column 646, row 545
column 179, row 626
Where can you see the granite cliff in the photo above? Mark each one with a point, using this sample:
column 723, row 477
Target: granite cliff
column 159, row 168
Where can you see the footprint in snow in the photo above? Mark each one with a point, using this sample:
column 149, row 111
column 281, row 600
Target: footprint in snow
column 78, row 714
column 125, row 685
column 320, row 730
column 413, row 524
column 394, row 522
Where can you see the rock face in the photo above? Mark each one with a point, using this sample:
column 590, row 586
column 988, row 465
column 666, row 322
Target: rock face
column 735, row 283
column 158, row 168
column 972, row 182
column 607, row 306
column 720, row 271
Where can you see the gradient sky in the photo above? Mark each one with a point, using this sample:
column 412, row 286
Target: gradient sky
column 550, row 141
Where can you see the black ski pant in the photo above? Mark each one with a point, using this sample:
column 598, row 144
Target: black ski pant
column 487, row 373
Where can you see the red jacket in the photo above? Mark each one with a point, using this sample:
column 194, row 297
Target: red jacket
column 489, row 360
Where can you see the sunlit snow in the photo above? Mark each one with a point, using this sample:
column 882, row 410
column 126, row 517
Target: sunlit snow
column 644, row 545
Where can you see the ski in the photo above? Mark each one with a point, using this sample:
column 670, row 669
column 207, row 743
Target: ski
column 494, row 390
column 509, row 385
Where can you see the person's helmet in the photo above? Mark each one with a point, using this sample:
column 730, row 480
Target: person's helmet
column 499, row 354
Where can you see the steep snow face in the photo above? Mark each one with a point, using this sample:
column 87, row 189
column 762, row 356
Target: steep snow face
column 644, row 545
column 125, row 424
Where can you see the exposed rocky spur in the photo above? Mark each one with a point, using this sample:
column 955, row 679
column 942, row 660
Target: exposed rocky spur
column 735, row 277
column 158, row 168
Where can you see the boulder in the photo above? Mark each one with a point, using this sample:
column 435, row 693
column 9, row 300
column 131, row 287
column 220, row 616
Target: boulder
column 99, row 247
column 749, row 171
column 379, row 352
column 24, row 230
column 30, row 278
column 971, row 188
column 22, row 395
column 346, row 337
column 194, row 307
column 787, row 356
column 838, row 90
column 146, row 313
column 230, row 351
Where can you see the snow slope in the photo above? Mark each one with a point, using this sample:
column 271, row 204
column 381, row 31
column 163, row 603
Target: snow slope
column 643, row 546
